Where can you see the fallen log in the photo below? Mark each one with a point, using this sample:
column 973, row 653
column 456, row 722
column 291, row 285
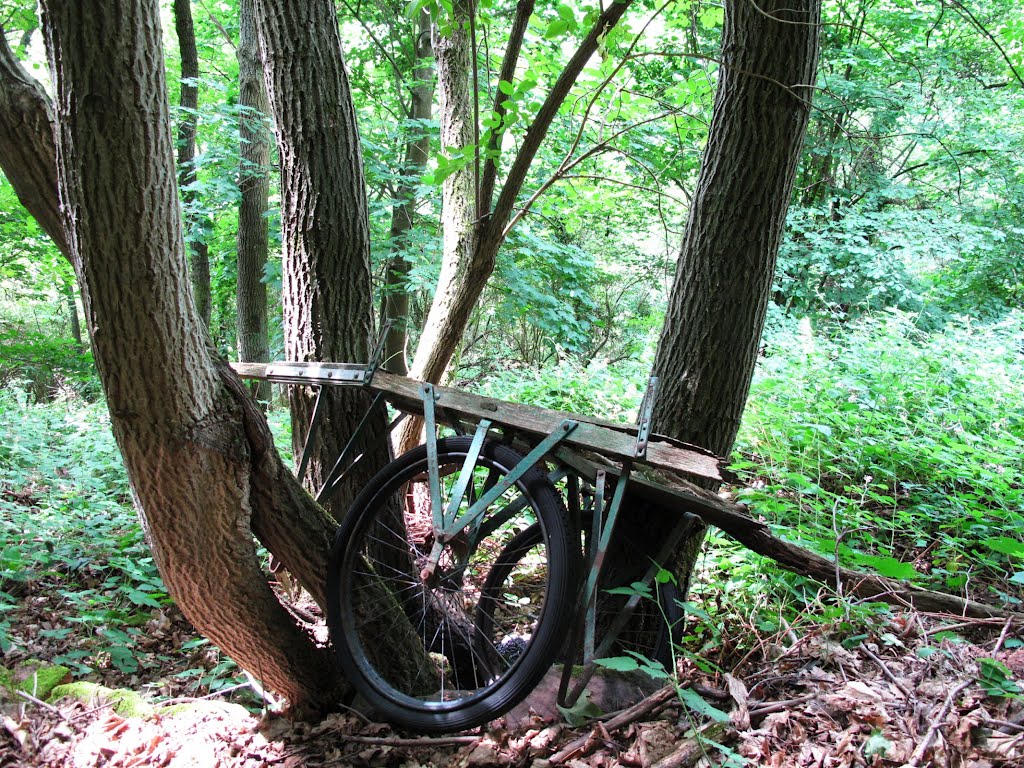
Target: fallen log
column 733, row 519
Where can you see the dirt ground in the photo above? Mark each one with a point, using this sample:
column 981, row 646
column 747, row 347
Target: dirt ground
column 918, row 691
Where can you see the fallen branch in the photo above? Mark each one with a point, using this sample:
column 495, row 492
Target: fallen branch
column 41, row 703
column 673, row 492
column 918, row 756
column 625, row 717
column 692, row 750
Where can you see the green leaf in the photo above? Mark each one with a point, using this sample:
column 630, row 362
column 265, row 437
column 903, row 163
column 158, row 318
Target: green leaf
column 693, row 700
column 889, row 567
column 556, row 29
column 1004, row 545
column 580, row 712
column 566, row 13
column 619, row 663
column 506, row 87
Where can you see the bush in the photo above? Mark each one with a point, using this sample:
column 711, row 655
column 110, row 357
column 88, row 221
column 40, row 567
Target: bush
column 898, row 450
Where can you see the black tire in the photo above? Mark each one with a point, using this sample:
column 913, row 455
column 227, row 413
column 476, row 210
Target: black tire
column 380, row 605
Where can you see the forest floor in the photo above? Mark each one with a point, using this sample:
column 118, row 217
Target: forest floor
column 914, row 690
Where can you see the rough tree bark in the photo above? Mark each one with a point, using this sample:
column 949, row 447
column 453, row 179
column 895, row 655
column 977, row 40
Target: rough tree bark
column 254, row 185
column 328, row 313
column 712, row 331
column 198, row 452
column 189, row 103
column 26, row 144
column 417, row 150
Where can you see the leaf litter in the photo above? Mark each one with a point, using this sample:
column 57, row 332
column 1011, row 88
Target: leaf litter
column 909, row 694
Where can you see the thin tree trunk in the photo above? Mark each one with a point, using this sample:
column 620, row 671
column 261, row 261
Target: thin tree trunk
column 417, row 150
column 462, row 281
column 27, row 153
column 69, row 299
column 198, row 452
column 189, row 103
column 328, row 313
column 254, row 186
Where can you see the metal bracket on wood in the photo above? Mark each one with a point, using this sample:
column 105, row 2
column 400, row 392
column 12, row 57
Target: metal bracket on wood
column 601, row 534
column 645, row 417
column 433, row 471
column 534, row 457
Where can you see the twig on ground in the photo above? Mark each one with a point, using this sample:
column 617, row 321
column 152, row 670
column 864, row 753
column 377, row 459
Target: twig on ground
column 1002, row 636
column 692, row 750
column 625, row 717
column 1005, row 724
column 41, row 703
column 760, row 710
column 978, row 622
column 919, row 752
column 886, row 671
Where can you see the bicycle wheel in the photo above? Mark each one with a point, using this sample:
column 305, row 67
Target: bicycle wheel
column 405, row 624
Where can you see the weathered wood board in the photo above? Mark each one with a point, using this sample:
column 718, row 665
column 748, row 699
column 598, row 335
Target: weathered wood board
column 608, row 438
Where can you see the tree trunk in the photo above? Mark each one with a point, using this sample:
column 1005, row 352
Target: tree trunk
column 68, row 290
column 417, row 150
column 189, row 103
column 328, row 313
column 712, row 331
column 454, row 55
column 254, row 186
column 27, row 153
column 198, row 452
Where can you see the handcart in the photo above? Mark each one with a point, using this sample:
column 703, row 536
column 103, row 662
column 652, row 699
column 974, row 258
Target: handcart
column 468, row 551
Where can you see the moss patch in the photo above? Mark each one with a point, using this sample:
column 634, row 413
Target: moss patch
column 126, row 703
column 34, row 677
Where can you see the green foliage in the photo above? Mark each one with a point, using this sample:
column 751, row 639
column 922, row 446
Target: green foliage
column 597, row 389
column 896, row 450
column 43, row 366
column 68, row 530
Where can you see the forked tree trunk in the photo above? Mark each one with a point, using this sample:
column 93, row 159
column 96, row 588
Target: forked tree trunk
column 254, row 186
column 189, row 103
column 470, row 256
column 328, row 312
column 199, row 456
column 712, row 332
column 26, row 145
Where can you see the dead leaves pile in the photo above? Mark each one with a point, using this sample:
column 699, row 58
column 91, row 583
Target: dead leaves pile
column 896, row 697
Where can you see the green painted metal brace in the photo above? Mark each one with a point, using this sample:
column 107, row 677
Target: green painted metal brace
column 601, row 534
column 446, row 521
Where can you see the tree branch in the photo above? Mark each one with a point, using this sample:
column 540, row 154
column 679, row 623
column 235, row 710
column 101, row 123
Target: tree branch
column 524, row 9
column 546, row 115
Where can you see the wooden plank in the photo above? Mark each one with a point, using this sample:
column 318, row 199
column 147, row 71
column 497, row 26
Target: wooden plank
column 608, row 438
column 611, row 439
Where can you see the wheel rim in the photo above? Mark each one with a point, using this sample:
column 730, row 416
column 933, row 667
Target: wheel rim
column 469, row 650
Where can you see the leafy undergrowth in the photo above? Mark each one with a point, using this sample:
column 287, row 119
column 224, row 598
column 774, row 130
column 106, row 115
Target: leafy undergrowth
column 78, row 586
column 896, row 451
